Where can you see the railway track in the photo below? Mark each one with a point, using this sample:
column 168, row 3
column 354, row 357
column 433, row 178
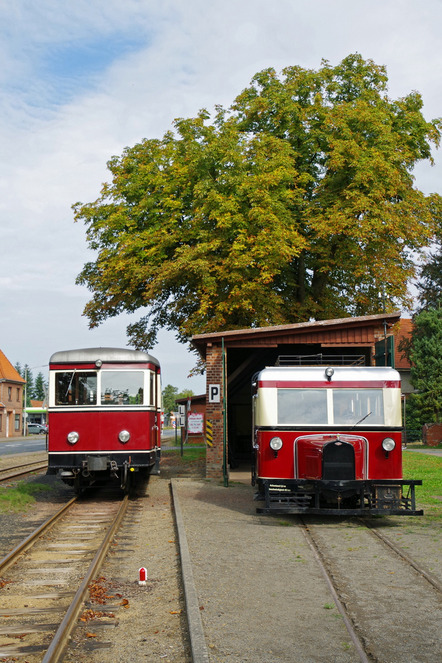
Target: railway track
column 43, row 590
column 389, row 605
column 368, row 602
column 15, row 471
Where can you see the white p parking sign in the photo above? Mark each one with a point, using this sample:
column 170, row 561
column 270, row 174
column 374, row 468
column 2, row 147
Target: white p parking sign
column 214, row 393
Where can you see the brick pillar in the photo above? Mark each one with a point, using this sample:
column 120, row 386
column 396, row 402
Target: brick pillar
column 214, row 411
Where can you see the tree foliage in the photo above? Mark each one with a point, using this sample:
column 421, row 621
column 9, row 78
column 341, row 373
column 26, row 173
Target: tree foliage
column 170, row 395
column 40, row 387
column 35, row 389
column 425, row 354
column 297, row 202
column 430, row 283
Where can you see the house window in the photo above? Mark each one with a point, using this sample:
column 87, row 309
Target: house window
column 17, row 422
column 18, row 394
column 10, row 393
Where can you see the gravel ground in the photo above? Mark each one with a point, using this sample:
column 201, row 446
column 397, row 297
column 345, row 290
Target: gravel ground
column 262, row 596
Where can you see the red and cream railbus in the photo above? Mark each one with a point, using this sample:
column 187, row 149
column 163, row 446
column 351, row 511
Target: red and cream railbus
column 328, row 440
column 104, row 415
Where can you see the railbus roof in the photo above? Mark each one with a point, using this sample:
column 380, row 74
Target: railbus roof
column 113, row 355
column 362, row 374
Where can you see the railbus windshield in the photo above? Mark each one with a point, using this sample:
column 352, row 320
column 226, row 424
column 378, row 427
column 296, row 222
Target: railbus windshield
column 330, row 407
column 105, row 388
column 75, row 388
column 122, row 388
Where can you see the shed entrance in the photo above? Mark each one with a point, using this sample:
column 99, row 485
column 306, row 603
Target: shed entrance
column 248, row 351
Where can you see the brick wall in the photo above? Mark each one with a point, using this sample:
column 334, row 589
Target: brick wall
column 12, row 407
column 432, row 434
column 214, row 412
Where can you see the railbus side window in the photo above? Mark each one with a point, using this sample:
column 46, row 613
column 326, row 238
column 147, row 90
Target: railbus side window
column 75, row 388
column 152, row 388
column 122, row 387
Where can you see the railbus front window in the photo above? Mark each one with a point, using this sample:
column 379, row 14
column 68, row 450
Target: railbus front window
column 75, row 388
column 352, row 405
column 302, row 406
column 122, row 387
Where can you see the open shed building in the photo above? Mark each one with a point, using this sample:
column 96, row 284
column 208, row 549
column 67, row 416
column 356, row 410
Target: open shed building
column 234, row 357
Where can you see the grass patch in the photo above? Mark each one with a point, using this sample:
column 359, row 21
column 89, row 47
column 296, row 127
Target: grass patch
column 190, row 454
column 21, row 496
column 429, row 469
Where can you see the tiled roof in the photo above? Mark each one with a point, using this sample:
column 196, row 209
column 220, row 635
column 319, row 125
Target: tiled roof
column 7, row 371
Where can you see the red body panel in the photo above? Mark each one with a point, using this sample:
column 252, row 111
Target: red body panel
column 99, row 430
column 371, row 461
column 324, row 384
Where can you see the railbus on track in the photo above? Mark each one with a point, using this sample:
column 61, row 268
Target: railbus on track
column 327, row 440
column 104, row 416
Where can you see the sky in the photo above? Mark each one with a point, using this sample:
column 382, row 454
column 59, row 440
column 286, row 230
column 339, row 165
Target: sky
column 82, row 80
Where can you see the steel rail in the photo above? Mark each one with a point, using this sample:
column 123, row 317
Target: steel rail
column 340, row 606
column 62, row 636
column 18, row 467
column 433, row 581
column 12, row 557
column 40, row 466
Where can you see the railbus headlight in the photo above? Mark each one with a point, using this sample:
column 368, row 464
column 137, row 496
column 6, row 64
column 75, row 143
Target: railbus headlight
column 73, row 437
column 124, row 436
column 276, row 443
column 388, row 444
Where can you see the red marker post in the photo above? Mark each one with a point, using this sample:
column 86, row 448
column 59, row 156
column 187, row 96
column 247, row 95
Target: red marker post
column 142, row 576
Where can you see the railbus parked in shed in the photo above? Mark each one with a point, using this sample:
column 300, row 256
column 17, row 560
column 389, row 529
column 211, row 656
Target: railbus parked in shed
column 104, row 416
column 327, row 440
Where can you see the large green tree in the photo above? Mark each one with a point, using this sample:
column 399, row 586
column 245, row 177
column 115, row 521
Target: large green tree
column 298, row 202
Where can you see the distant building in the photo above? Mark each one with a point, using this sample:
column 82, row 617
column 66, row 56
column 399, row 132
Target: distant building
column 37, row 412
column 11, row 399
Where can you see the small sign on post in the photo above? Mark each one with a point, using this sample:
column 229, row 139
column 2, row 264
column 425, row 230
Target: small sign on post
column 182, row 411
column 195, row 423
column 214, row 393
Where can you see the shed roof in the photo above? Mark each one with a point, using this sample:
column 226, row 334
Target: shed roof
column 7, row 371
column 340, row 331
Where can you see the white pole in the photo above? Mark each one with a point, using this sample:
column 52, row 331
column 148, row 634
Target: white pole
column 25, row 428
